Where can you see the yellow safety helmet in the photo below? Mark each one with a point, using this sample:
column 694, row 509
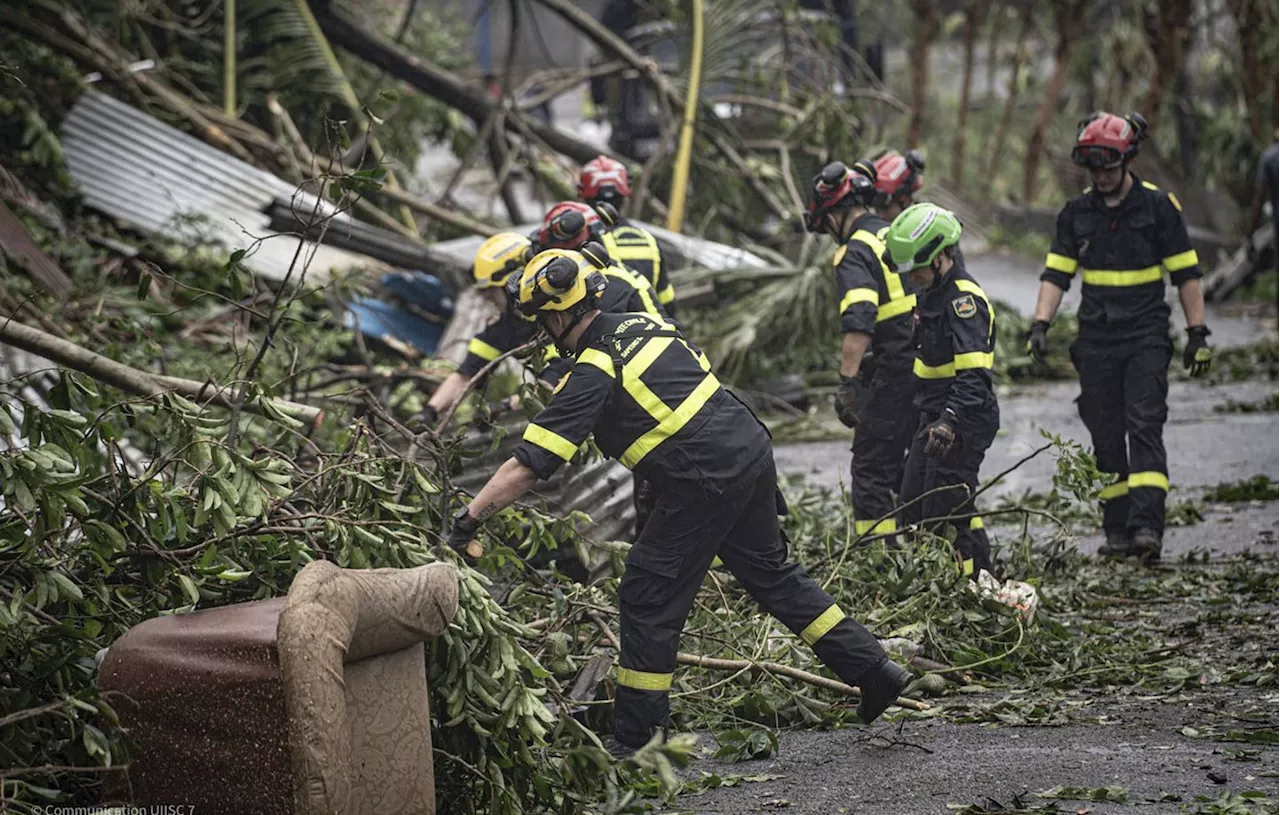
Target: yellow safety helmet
column 556, row 280
column 498, row 257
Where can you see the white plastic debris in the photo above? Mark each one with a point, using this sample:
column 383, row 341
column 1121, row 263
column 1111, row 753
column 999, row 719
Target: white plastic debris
column 1020, row 596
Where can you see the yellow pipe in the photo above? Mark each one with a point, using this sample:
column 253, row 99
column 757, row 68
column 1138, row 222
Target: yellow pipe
column 680, row 175
column 229, row 57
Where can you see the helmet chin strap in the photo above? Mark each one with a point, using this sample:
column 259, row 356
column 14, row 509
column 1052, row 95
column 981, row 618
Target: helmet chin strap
column 561, row 339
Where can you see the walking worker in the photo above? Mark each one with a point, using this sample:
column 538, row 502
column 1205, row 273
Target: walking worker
column 958, row 413
column 604, row 181
column 876, row 383
column 1121, row 237
column 653, row 404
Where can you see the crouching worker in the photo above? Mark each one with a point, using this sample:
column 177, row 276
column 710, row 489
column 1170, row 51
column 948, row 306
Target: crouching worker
column 653, row 404
column 955, row 393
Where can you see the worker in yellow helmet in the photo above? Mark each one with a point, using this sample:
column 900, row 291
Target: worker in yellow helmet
column 652, row 403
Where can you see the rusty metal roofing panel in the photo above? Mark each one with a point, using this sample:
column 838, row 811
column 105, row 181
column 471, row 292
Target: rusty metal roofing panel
column 156, row 178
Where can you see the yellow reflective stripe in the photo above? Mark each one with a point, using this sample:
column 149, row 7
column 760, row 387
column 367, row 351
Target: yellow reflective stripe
column 667, row 426
column 716, row 562
column 1158, row 480
column 1149, row 185
column 644, row 680
column 976, row 522
column 1123, row 277
column 667, row 294
column 840, row 255
column 859, row 296
column 483, row 349
column 826, row 621
column 1182, row 260
column 549, row 441
column 895, row 308
column 599, row 359
column 1113, row 491
column 974, row 359
column 865, row 527
column 923, row 371
column 1061, row 263
column 973, row 288
column 636, row 282
column 892, row 280
column 966, row 566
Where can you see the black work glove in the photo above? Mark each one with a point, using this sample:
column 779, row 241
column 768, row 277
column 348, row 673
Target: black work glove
column 429, row 416
column 1038, row 341
column 462, row 538
column 850, row 400
column 1197, row 356
column 940, row 436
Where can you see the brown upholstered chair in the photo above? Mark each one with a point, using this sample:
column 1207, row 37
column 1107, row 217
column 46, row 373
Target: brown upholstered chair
column 308, row 704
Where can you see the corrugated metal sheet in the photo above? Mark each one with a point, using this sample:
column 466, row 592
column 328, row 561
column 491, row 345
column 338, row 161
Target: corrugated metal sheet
column 156, row 178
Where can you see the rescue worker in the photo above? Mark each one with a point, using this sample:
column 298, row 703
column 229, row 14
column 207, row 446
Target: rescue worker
column 604, row 181
column 876, row 383
column 1121, row 237
column 495, row 260
column 652, row 403
column 898, row 178
column 956, row 398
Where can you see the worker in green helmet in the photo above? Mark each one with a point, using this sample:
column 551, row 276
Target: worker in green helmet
column 955, row 393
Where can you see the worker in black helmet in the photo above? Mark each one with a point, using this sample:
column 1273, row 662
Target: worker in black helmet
column 876, row 383
column 1122, row 237
column 652, row 403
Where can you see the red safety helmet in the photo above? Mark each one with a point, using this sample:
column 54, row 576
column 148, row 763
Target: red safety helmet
column 898, row 177
column 604, row 179
column 839, row 187
column 568, row 225
column 1106, row 140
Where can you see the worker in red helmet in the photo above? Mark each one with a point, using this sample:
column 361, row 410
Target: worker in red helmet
column 877, row 385
column 605, row 185
column 1122, row 237
column 898, row 178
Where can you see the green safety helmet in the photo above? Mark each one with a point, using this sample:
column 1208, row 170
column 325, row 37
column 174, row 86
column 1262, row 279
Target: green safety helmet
column 919, row 235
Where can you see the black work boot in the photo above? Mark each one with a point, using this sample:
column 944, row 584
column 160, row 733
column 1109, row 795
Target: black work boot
column 1118, row 544
column 1146, row 545
column 881, row 686
column 620, row 751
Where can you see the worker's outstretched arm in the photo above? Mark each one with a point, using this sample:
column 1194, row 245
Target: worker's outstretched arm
column 448, row 392
column 852, row 350
column 511, row 481
column 1192, row 297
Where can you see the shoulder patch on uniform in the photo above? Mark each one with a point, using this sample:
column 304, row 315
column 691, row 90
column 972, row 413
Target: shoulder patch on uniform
column 1173, row 199
column 964, row 306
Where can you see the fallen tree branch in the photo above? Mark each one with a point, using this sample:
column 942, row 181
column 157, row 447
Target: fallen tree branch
column 132, row 380
column 714, row 664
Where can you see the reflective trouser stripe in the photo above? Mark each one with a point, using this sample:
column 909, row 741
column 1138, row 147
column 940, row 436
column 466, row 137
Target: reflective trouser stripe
column 644, row 680
column 1123, row 277
column 966, row 566
column 1158, row 480
column 826, row 621
column 1114, row 491
column 864, row 527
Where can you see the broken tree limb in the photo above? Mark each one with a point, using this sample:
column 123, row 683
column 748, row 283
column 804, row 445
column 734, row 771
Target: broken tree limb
column 435, row 81
column 70, row 355
column 786, row 670
column 607, row 41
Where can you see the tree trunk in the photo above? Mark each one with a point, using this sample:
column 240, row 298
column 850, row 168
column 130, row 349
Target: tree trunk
column 435, row 81
column 1168, row 35
column 926, row 12
column 993, row 57
column 1067, row 19
column 1011, row 100
column 975, row 13
column 1255, row 19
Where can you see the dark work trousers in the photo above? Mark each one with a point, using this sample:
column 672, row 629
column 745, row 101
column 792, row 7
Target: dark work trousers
column 665, row 568
column 949, row 482
column 643, row 496
column 1124, row 402
column 880, row 448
